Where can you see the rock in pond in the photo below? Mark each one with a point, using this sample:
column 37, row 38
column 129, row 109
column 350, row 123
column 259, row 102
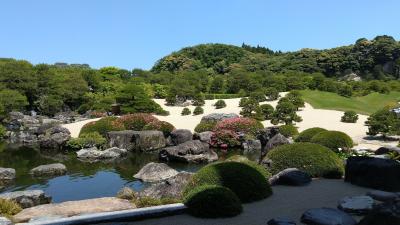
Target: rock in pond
column 381, row 174
column 126, row 193
column 94, row 155
column 55, row 169
column 387, row 213
column 7, row 174
column 170, row 188
column 28, row 198
column 190, row 152
column 215, row 117
column 356, row 204
column 281, row 221
column 290, row 176
column 180, row 136
column 383, row 196
column 72, row 208
column 55, row 138
column 153, row 172
column 148, row 140
column 5, row 221
column 326, row 216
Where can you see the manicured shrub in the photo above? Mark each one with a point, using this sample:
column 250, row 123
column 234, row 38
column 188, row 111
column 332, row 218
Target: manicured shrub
column 243, row 159
column 149, row 201
column 212, row 201
column 288, row 130
column 220, row 104
column 185, row 112
column 333, row 140
column 9, row 208
column 2, row 131
column 225, row 137
column 163, row 126
column 205, row 126
column 243, row 125
column 198, row 100
column 308, row 134
column 136, row 121
column 349, row 117
column 245, row 181
column 267, row 111
column 258, row 95
column 272, row 93
column 198, row 110
column 102, row 126
column 317, row 160
column 87, row 140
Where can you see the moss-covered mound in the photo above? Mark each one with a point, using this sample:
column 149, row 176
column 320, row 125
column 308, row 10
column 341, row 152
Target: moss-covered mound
column 102, row 126
column 245, row 181
column 213, row 201
column 308, row 134
column 288, row 130
column 333, row 140
column 243, row 159
column 316, row 160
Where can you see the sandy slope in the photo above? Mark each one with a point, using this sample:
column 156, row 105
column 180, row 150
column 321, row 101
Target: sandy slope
column 76, row 127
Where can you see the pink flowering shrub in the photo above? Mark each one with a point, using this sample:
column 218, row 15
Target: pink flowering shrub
column 225, row 137
column 136, row 121
column 247, row 126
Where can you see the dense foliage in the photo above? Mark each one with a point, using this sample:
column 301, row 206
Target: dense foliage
column 102, row 126
column 198, row 110
column 317, row 160
column 136, row 121
column 220, row 104
column 87, row 140
column 9, row 208
column 334, row 140
column 349, row 117
column 163, row 126
column 205, row 126
column 212, row 201
column 245, row 181
column 308, row 134
column 288, row 130
column 2, row 131
column 243, row 159
column 185, row 111
column 384, row 122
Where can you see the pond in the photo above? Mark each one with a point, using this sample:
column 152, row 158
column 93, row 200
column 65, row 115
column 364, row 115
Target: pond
column 84, row 180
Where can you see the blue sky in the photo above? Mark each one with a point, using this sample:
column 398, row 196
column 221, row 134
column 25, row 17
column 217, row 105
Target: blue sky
column 134, row 34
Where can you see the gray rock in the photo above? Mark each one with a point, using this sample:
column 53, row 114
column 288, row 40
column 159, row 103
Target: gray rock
column 387, row 149
column 55, row 169
column 94, row 155
column 326, row 216
column 5, row 221
column 180, row 136
column 215, row 117
column 382, row 196
column 191, row 151
column 27, row 198
column 153, row 172
column 356, row 204
column 148, row 140
column 290, row 176
column 170, row 188
column 205, row 136
column 281, row 221
column 7, row 174
column 55, row 138
column 387, row 213
column 126, row 193
column 251, row 145
column 277, row 140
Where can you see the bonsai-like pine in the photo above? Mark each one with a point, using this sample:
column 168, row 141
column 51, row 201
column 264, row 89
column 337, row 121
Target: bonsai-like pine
column 333, row 140
column 288, row 130
column 258, row 95
column 198, row 99
column 272, row 93
column 296, row 99
column 220, row 104
column 251, row 109
column 212, row 201
column 315, row 159
column 385, row 122
column 245, row 181
column 185, row 112
column 349, row 117
column 285, row 112
column 198, row 110
column 267, row 111
column 308, row 134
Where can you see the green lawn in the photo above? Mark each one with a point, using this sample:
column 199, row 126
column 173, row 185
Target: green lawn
column 364, row 105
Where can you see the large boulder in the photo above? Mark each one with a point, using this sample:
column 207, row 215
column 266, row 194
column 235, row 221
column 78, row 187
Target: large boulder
column 326, row 216
column 387, row 213
column 73, row 208
column 7, row 174
column 251, row 145
column 215, row 117
column 290, row 176
column 28, row 198
column 277, row 140
column 148, row 140
column 204, row 136
column 153, row 172
column 55, row 169
column 180, row 136
column 170, row 188
column 94, row 155
column 359, row 205
column 55, row 138
column 381, row 174
column 190, row 152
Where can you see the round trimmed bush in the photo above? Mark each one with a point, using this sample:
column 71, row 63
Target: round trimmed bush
column 288, row 130
column 212, row 201
column 9, row 208
column 198, row 110
column 245, row 160
column 163, row 126
column 87, row 140
column 315, row 159
column 241, row 124
column 333, row 140
column 308, row 134
column 136, row 121
column 205, row 126
column 102, row 126
column 185, row 112
column 220, row 104
column 245, row 181
column 349, row 117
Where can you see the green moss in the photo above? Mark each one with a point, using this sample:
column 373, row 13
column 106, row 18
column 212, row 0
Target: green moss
column 243, row 159
column 212, row 201
column 102, row 126
column 333, row 140
column 288, row 130
column 205, row 126
column 308, row 134
column 316, row 160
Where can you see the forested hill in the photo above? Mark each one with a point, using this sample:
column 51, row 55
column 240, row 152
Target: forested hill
column 378, row 58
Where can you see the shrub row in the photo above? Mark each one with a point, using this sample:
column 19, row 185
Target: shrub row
column 220, row 96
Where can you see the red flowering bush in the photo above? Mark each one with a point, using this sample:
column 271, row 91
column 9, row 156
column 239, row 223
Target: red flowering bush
column 136, row 121
column 163, row 126
column 240, row 125
column 225, row 137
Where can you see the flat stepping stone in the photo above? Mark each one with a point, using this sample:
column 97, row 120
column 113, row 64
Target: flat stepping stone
column 357, row 204
column 327, row 216
column 383, row 196
column 281, row 221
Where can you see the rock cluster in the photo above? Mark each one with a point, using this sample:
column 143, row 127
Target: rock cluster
column 94, row 155
column 145, row 141
column 193, row 151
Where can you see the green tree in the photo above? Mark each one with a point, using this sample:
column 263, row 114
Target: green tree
column 267, row 110
column 251, row 109
column 285, row 112
column 12, row 100
column 217, row 85
column 384, row 121
column 272, row 93
column 198, row 99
